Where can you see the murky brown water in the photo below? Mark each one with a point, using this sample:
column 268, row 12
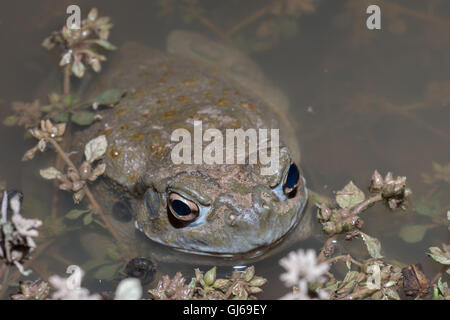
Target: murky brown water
column 362, row 100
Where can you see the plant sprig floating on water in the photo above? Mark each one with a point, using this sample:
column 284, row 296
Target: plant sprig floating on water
column 75, row 179
column 80, row 45
column 240, row 285
column 352, row 202
column 273, row 21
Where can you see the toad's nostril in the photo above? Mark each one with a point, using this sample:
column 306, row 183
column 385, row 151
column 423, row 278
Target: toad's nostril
column 152, row 203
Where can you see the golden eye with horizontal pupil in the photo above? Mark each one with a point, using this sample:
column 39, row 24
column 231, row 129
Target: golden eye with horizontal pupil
column 182, row 208
column 290, row 181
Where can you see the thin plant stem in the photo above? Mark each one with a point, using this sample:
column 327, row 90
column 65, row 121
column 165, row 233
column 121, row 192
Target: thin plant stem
column 249, row 19
column 67, row 74
column 86, row 189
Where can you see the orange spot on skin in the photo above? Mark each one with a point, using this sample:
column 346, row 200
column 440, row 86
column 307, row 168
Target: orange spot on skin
column 248, row 105
column 107, row 132
column 168, row 73
column 138, row 94
column 225, row 91
column 170, row 90
column 208, row 95
column 156, row 149
column 133, row 177
column 146, row 115
column 124, row 127
column 169, row 114
column 183, row 99
column 114, row 153
column 137, row 136
column 190, row 83
column 121, row 111
column 223, row 101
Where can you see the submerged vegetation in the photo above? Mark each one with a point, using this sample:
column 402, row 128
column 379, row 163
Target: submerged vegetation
column 309, row 275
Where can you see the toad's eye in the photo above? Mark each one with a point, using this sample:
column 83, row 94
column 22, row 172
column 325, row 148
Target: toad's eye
column 290, row 181
column 182, row 208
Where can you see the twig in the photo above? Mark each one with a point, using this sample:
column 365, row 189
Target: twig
column 101, row 213
column 366, row 203
column 207, row 23
column 88, row 193
column 345, row 258
column 249, row 19
column 59, row 165
column 67, row 74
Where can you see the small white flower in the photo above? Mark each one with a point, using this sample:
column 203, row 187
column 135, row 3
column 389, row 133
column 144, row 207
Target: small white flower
column 374, row 281
column 129, row 289
column 70, row 288
column 302, row 265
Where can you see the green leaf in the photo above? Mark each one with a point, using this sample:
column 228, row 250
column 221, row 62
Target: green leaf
column 83, row 118
column 94, row 263
column 68, row 100
column 428, row 208
column 210, row 276
column 439, row 256
column 349, row 282
column 61, row 117
column 107, row 272
column 106, row 44
column 88, row 219
column 391, row 294
column 10, row 121
column 75, row 214
column 109, row 97
column 413, row 233
column 350, row 196
column 288, row 28
column 112, row 253
column 373, row 246
column 78, row 69
column 441, row 286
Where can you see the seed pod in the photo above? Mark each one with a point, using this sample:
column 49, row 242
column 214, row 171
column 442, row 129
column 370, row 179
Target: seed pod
column 85, row 170
column 210, row 276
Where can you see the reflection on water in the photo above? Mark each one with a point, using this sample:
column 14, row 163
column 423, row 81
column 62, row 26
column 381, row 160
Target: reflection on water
column 361, row 100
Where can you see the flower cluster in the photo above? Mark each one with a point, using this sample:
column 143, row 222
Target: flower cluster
column 77, row 43
column 70, row 288
column 303, row 271
column 16, row 236
column 46, row 131
column 392, row 190
column 241, row 285
column 352, row 202
column 75, row 179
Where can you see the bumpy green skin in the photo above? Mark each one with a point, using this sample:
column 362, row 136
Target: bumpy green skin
column 240, row 212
